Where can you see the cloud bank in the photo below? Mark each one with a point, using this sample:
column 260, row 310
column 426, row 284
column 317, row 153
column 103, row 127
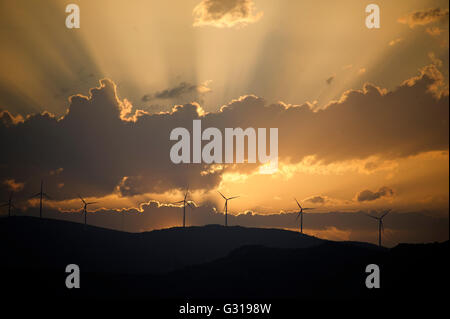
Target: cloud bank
column 101, row 147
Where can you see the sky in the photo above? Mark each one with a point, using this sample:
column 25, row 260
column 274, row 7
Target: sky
column 362, row 114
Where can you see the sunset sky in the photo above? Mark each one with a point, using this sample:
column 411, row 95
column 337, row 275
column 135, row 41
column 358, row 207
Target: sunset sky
column 363, row 114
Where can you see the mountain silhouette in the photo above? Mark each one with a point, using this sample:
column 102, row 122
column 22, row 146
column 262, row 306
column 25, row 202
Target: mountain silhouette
column 52, row 244
column 212, row 262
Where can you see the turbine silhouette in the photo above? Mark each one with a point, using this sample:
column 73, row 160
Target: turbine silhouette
column 41, row 195
column 226, row 206
column 9, row 204
column 185, row 202
column 300, row 214
column 380, row 224
column 85, row 204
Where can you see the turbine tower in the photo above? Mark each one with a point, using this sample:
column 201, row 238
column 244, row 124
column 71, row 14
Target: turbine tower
column 41, row 195
column 380, row 224
column 300, row 214
column 9, row 204
column 185, row 202
column 226, row 206
column 85, row 204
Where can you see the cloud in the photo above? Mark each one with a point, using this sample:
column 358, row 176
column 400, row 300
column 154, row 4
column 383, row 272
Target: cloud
column 367, row 195
column 434, row 31
column 103, row 148
column 7, row 119
column 435, row 60
column 100, row 150
column 225, row 13
column 439, row 87
column 316, row 199
column 424, row 17
column 330, row 79
column 178, row 91
column 395, row 41
column 12, row 185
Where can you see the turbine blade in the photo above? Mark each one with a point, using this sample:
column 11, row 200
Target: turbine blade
column 81, row 199
column 233, row 197
column 191, row 205
column 371, row 216
column 33, row 196
column 308, row 208
column 386, row 213
column 91, row 203
column 48, row 197
column 179, row 202
column 298, row 215
column 222, row 195
column 299, row 206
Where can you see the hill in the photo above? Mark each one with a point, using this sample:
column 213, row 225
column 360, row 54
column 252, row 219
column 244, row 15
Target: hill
column 212, row 262
column 52, row 244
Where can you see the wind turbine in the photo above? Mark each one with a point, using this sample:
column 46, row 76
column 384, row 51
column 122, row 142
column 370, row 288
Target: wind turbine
column 380, row 225
column 9, row 204
column 85, row 204
column 226, row 206
column 185, row 202
column 300, row 214
column 41, row 195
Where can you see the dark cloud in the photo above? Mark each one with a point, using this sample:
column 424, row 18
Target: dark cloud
column 316, row 200
column 424, row 17
column 225, row 13
column 330, row 79
column 97, row 152
column 178, row 91
column 99, row 147
column 368, row 195
column 407, row 121
column 147, row 97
